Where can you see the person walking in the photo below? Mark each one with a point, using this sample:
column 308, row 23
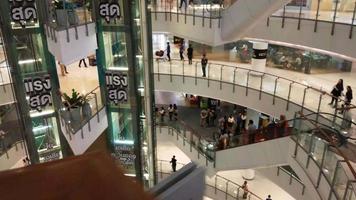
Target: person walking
column 174, row 163
column 162, row 112
column 251, row 131
column 348, row 99
column 203, row 117
column 175, row 111
column 212, row 117
column 243, row 120
column 245, row 189
column 181, row 51
column 82, row 61
column 269, row 197
column 181, row 3
column 168, row 50
column 336, row 92
column 63, row 69
column 204, row 63
column 190, row 54
column 170, row 112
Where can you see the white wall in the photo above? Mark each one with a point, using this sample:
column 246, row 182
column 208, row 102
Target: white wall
column 76, row 49
column 258, row 155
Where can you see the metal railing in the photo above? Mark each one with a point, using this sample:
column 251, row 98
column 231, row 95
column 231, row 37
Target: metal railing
column 74, row 117
column 292, row 177
column 188, row 136
column 65, row 14
column 231, row 188
column 334, row 15
column 207, row 11
column 228, row 187
column 306, row 96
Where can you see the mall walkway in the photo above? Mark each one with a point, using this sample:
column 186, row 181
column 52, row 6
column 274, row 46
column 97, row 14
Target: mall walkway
column 191, row 117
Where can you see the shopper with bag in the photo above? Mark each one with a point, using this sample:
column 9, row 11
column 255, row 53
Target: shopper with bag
column 336, row 92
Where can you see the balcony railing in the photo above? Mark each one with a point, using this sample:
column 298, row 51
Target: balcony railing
column 338, row 13
column 306, row 96
column 206, row 10
column 66, row 14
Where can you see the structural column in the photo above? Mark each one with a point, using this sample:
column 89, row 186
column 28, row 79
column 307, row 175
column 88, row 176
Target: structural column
column 259, row 56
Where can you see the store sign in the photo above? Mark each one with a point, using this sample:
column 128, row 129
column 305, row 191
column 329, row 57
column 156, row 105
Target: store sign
column 116, row 84
column 125, row 154
column 259, row 53
column 23, row 11
column 53, row 155
column 38, row 92
column 109, row 10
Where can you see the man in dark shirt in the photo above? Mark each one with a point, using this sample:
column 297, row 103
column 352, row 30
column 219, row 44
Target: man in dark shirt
column 190, row 54
column 174, row 163
column 204, row 63
column 168, row 51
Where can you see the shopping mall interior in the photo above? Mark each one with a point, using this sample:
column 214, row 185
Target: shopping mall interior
column 178, row 99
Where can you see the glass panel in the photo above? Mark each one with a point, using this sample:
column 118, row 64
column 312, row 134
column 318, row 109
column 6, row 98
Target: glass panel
column 31, row 54
column 329, row 166
column 340, row 180
column 317, row 149
column 46, row 135
column 115, row 51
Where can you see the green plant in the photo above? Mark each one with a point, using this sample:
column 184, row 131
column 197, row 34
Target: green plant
column 75, row 100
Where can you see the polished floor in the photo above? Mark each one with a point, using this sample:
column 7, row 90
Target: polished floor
column 86, row 79
column 260, row 185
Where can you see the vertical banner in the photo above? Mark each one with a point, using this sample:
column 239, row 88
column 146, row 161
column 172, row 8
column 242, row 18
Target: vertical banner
column 38, row 91
column 117, row 86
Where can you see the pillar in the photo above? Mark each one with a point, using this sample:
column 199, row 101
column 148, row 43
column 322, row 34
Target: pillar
column 259, row 56
column 35, row 79
column 353, row 69
column 126, row 79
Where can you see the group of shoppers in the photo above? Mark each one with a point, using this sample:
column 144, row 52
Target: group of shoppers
column 230, row 129
column 190, row 50
column 172, row 112
column 337, row 92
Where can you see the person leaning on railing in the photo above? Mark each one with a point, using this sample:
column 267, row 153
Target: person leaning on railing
column 282, row 126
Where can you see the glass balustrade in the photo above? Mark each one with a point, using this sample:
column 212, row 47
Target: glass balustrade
column 307, row 97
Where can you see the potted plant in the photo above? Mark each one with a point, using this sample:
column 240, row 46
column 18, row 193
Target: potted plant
column 86, row 107
column 73, row 104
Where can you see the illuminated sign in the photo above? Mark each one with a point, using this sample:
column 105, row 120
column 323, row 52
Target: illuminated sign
column 109, row 10
column 116, row 84
column 38, row 92
column 23, row 11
